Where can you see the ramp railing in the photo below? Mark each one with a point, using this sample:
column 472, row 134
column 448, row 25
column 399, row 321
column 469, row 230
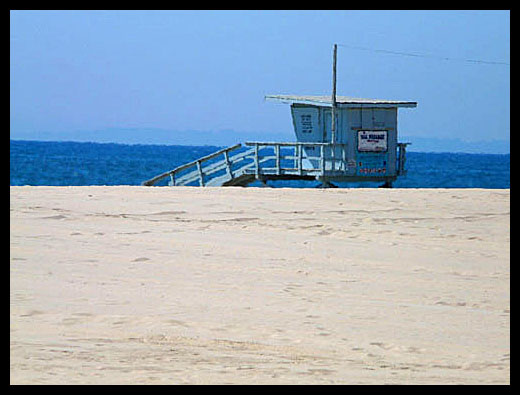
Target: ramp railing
column 205, row 170
column 301, row 158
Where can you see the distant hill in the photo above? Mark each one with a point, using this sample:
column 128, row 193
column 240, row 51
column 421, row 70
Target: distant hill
column 155, row 136
column 423, row 144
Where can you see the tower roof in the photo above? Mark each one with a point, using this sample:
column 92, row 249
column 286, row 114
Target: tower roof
column 342, row 101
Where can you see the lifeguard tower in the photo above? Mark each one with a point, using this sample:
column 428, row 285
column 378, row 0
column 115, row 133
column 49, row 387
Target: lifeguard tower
column 338, row 139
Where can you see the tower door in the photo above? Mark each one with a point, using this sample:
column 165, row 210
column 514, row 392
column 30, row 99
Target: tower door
column 332, row 154
column 327, row 127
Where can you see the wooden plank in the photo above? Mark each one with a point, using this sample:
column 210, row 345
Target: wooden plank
column 213, row 169
column 187, row 178
column 272, row 172
column 242, row 156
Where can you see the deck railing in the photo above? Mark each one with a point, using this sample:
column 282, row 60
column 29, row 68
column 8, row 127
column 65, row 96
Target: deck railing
column 330, row 158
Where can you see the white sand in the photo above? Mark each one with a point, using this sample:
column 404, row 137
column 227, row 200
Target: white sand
column 131, row 285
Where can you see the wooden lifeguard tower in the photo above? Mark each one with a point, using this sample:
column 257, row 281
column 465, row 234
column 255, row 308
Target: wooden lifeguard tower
column 338, row 139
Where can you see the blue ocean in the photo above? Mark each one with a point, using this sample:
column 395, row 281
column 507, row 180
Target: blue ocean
column 74, row 163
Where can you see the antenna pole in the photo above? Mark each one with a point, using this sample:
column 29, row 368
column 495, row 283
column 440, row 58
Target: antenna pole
column 333, row 121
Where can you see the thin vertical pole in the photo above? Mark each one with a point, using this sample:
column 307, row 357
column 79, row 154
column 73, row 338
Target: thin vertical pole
column 333, row 121
column 332, row 153
column 322, row 158
column 300, row 149
column 228, row 165
column 201, row 176
column 257, row 163
column 344, row 157
column 277, row 153
column 300, row 155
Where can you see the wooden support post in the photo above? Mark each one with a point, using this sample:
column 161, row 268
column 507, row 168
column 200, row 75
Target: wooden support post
column 403, row 170
column 322, row 159
column 344, row 157
column 402, row 158
column 400, row 161
column 332, row 154
column 277, row 154
column 257, row 162
column 172, row 178
column 201, row 176
column 300, row 155
column 228, row 165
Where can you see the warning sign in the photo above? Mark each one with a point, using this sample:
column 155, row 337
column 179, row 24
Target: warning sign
column 372, row 140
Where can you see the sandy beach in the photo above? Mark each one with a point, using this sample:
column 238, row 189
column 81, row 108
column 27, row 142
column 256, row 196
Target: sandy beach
column 150, row 285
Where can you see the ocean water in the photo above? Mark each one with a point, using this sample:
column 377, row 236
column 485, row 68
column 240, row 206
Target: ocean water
column 72, row 163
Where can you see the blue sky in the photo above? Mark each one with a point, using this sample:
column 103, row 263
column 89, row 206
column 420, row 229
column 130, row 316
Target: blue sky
column 159, row 73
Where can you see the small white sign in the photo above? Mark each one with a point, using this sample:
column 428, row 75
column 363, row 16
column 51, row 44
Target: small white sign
column 306, row 123
column 372, row 140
